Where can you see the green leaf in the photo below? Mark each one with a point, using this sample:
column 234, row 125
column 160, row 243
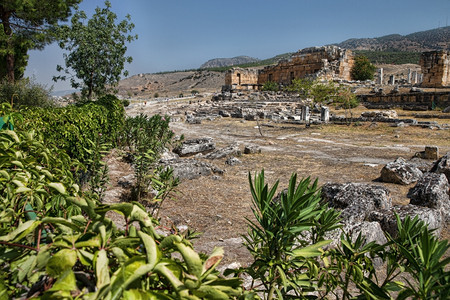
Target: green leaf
column 62, row 261
column 151, row 249
column 102, row 269
column 58, row 187
column 23, row 230
column 311, row 250
column 66, row 282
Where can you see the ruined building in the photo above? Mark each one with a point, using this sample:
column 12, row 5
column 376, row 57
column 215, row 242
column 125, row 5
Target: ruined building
column 327, row 62
column 435, row 67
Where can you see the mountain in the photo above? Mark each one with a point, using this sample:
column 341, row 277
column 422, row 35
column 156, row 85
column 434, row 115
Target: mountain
column 225, row 62
column 434, row 39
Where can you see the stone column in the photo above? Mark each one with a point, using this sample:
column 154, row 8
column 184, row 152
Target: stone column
column 380, row 76
column 414, row 77
column 409, row 76
column 305, row 113
column 325, row 114
column 392, row 80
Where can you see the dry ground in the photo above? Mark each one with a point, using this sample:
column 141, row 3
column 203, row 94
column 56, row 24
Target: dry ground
column 218, row 206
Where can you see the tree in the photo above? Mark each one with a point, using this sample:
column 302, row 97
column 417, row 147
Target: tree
column 363, row 69
column 25, row 25
column 96, row 50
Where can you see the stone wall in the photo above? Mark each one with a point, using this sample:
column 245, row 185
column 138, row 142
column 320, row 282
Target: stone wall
column 425, row 100
column 328, row 62
column 435, row 68
column 241, row 79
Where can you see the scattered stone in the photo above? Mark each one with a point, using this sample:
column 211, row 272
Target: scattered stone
column 431, row 152
column 400, row 172
column 388, row 221
column 233, row 161
column 372, row 231
column 192, row 169
column 193, row 121
column 443, row 166
column 191, row 147
column 224, row 152
column 224, row 113
column 446, row 110
column 379, row 115
column 432, row 191
column 423, row 165
column 126, row 181
column 252, row 149
column 356, row 200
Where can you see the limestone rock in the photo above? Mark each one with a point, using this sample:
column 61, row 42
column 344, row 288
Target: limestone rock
column 388, row 221
column 432, row 191
column 252, row 149
column 191, row 147
column 224, row 152
column 372, row 231
column 446, row 110
column 379, row 115
column 192, row 168
column 400, row 172
column 232, row 161
column 443, row 166
column 356, row 200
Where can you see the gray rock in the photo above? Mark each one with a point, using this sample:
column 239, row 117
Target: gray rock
column 224, row 152
column 446, row 110
column 400, row 172
column 194, row 121
column 356, row 200
column 233, row 161
column 372, row 231
column 126, row 181
column 386, row 218
column 224, row 113
column 191, row 147
column 192, row 168
column 432, row 191
column 252, row 149
column 443, row 166
column 423, row 165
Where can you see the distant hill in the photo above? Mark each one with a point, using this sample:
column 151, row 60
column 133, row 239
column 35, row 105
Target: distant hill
column 434, row 39
column 224, row 62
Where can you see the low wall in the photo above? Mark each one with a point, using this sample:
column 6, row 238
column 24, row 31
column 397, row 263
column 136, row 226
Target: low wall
column 428, row 100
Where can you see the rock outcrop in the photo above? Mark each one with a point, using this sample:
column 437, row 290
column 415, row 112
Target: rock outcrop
column 400, row 172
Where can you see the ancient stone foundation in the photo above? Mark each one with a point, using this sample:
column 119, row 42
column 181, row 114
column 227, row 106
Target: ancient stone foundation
column 418, row 101
column 435, row 68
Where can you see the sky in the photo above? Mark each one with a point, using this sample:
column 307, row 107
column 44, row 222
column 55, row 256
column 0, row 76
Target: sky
column 183, row 34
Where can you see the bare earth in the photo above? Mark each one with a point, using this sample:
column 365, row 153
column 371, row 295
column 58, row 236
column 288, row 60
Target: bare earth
column 218, row 205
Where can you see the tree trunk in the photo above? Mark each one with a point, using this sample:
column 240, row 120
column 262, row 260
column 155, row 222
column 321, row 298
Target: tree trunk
column 4, row 16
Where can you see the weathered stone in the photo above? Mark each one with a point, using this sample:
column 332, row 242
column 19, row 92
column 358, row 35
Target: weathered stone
column 356, row 200
column 435, row 67
column 186, row 169
column 386, row 218
column 252, row 149
column 232, row 161
column 446, row 110
column 224, row 113
column 193, row 120
column 224, row 152
column 443, row 166
column 423, row 165
column 372, row 231
column 191, row 147
column 400, row 172
column 379, row 115
column 432, row 191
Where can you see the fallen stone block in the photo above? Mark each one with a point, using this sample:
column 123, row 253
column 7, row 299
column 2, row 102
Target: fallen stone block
column 400, row 172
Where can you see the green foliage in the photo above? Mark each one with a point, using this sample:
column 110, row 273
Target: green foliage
column 74, row 128
column 194, row 92
column 25, row 25
column 87, row 257
column 390, row 57
column 323, row 92
column 363, row 69
column 96, row 50
column 25, row 93
column 302, row 86
column 32, row 173
column 271, row 86
column 146, row 137
column 288, row 235
column 156, row 95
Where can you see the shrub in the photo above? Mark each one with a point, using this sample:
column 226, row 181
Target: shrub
column 363, row 69
column 73, row 128
column 270, row 86
column 25, row 93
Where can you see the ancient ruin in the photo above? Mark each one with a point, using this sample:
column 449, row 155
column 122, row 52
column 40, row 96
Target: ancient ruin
column 435, row 68
column 327, row 62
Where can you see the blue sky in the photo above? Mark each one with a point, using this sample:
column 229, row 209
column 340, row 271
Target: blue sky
column 183, row 34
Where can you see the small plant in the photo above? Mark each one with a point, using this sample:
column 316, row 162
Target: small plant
column 363, row 69
column 287, row 236
column 271, row 86
column 165, row 183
